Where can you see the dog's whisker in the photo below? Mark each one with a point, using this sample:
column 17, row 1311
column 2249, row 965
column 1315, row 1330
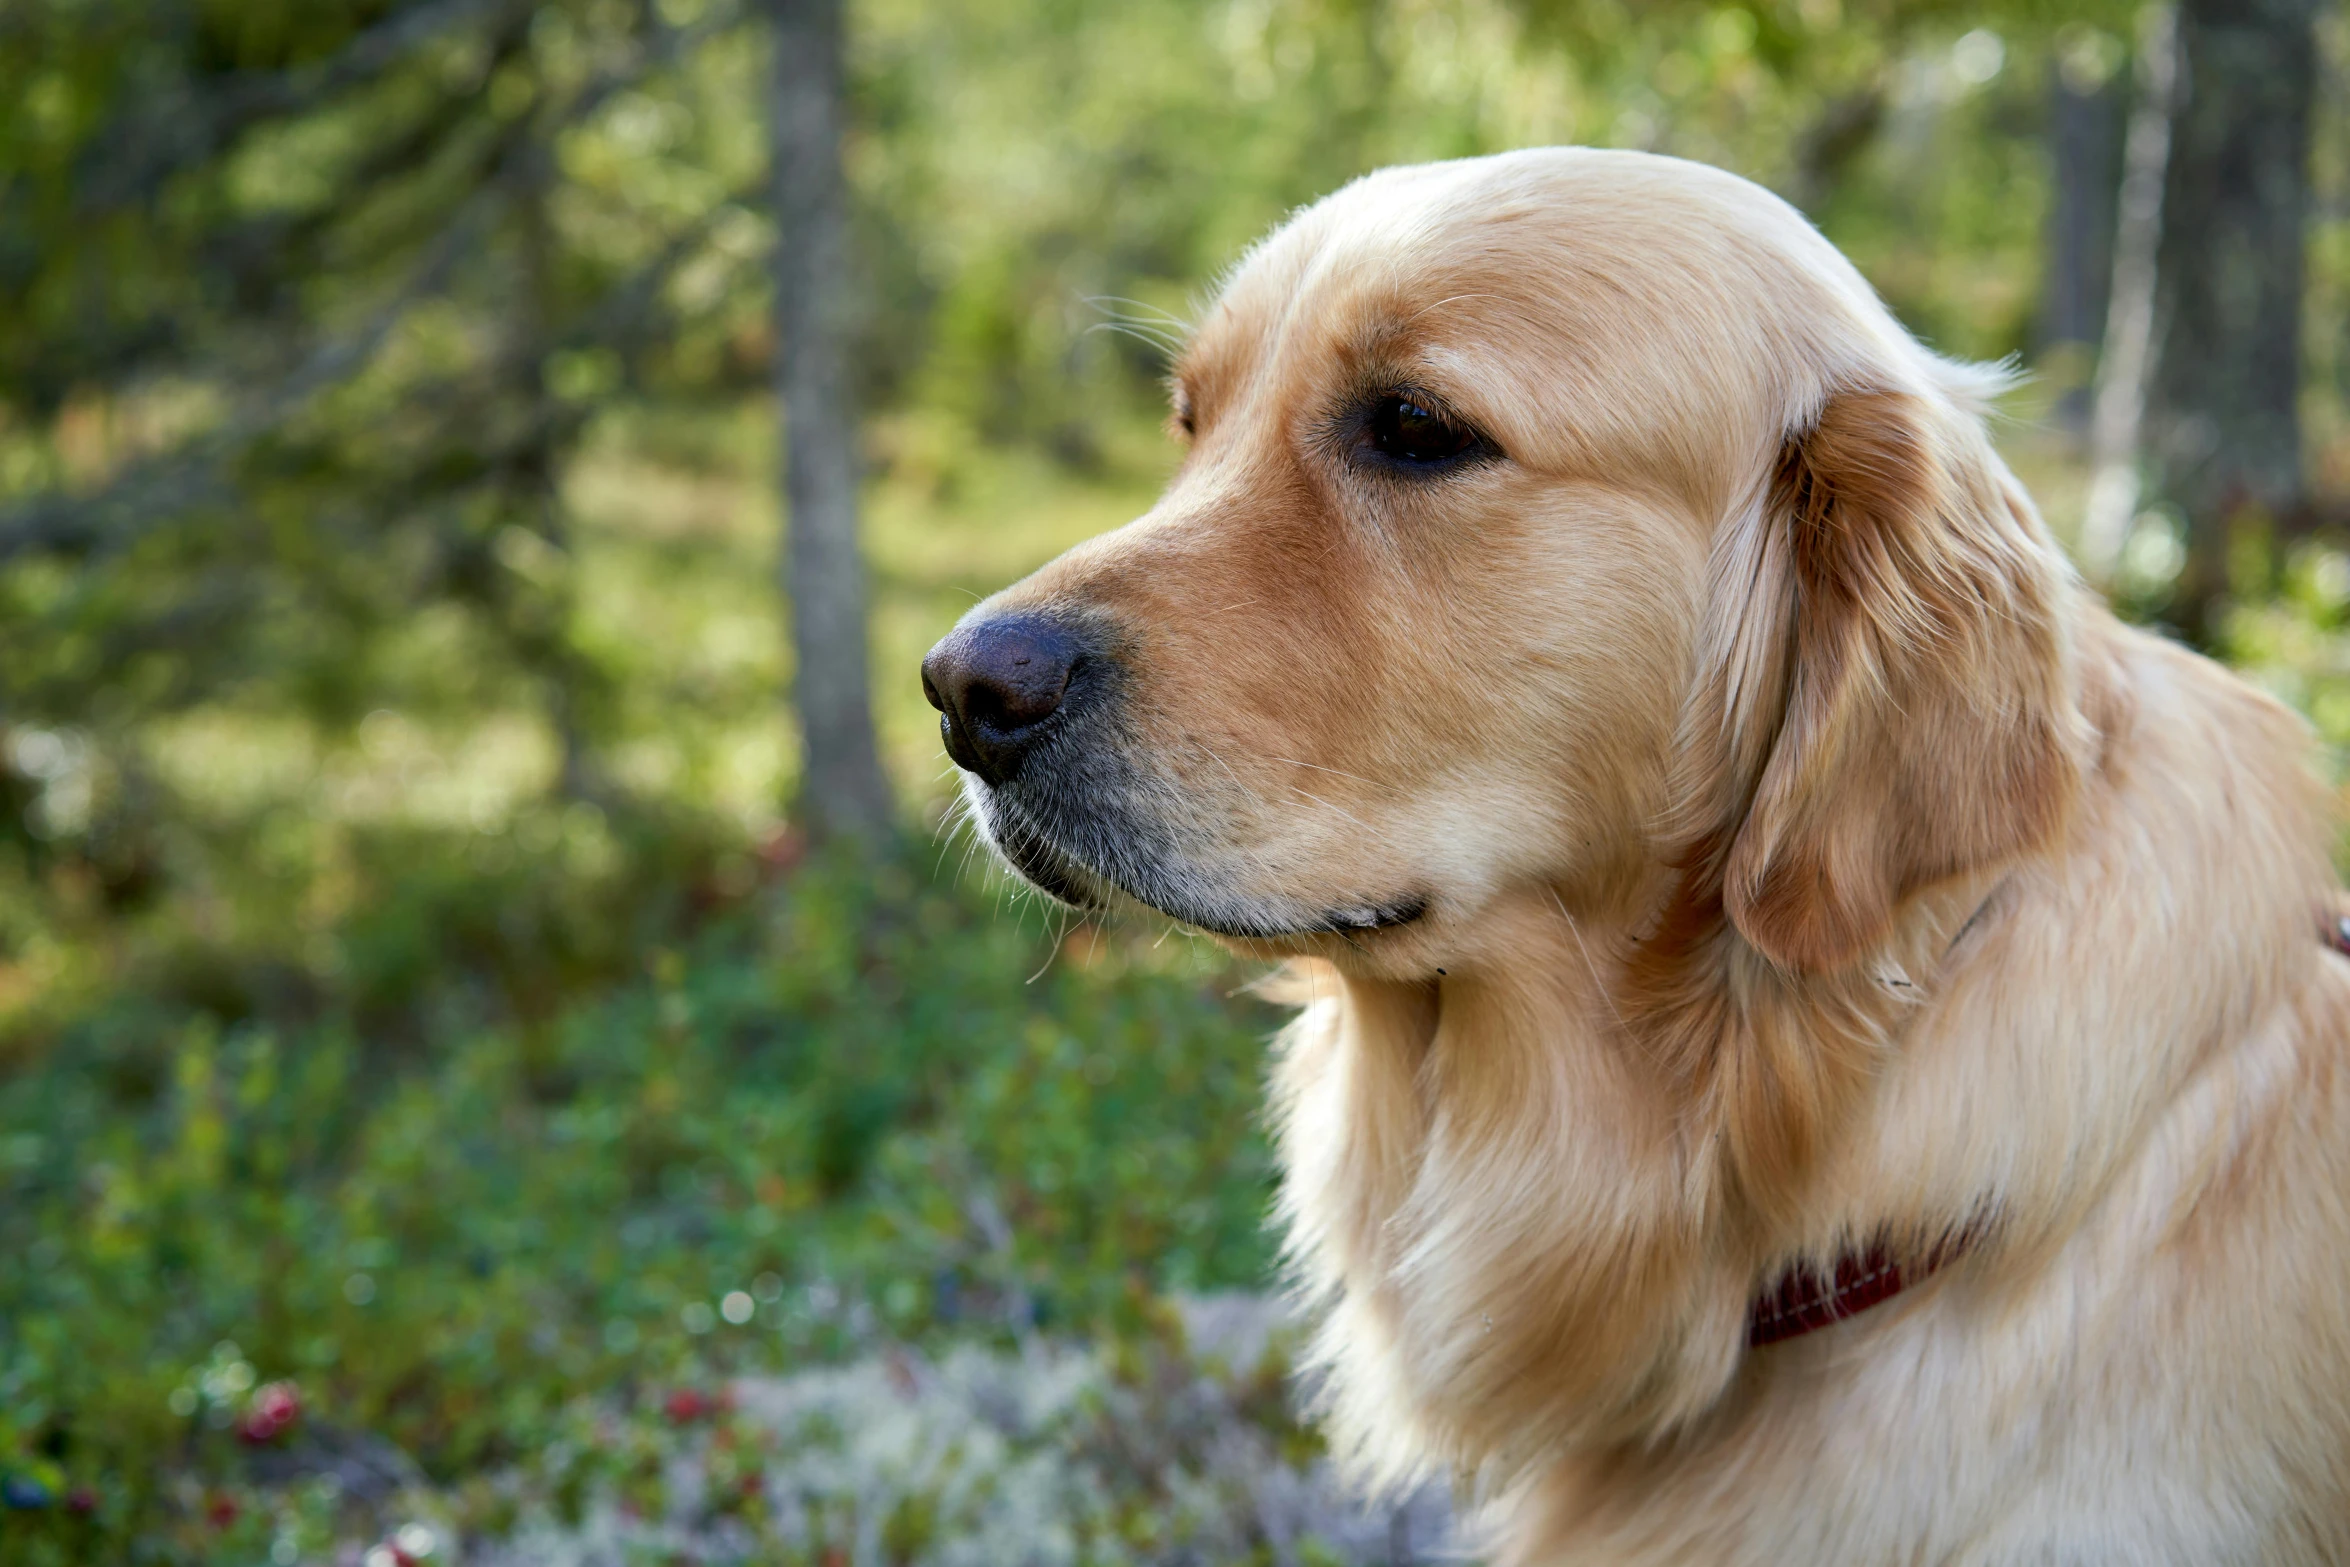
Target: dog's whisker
column 1164, row 345
column 1449, row 299
column 1328, row 805
column 1606, row 991
column 1143, row 311
column 1337, row 771
column 1060, row 934
column 1213, row 756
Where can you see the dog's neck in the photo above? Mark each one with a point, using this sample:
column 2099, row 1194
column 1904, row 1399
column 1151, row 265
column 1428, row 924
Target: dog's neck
column 1531, row 1195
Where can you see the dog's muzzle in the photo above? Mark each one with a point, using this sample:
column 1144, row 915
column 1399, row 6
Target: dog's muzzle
column 1032, row 706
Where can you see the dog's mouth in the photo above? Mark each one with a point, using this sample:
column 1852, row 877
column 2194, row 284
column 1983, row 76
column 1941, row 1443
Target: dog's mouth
column 1360, row 919
column 1096, row 866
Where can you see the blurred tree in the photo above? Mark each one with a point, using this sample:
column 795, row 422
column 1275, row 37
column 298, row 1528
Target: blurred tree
column 305, row 308
column 354, row 354
column 2118, row 418
column 2086, row 108
column 2223, row 426
column 842, row 790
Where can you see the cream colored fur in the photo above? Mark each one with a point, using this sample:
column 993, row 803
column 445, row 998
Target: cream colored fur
column 1810, row 860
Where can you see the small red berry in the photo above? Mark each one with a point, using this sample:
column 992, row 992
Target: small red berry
column 274, row 1407
column 222, row 1509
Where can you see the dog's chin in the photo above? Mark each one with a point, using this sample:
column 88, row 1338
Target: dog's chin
column 1143, row 873
column 1040, row 862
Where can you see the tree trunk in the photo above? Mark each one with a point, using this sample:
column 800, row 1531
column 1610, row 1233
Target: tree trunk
column 2119, row 410
column 2223, row 431
column 2085, row 115
column 842, row 790
column 541, row 626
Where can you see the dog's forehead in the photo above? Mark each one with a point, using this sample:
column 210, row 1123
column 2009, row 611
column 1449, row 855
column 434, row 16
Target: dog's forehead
column 1595, row 244
column 1602, row 293
column 1385, row 257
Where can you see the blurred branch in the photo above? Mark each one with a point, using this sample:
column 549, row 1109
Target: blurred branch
column 176, row 131
column 116, row 516
column 670, row 46
column 154, row 490
column 460, row 563
column 419, row 159
column 1828, row 147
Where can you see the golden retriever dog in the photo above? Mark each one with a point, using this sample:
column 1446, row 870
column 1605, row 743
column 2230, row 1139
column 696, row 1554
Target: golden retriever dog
column 1816, row 1042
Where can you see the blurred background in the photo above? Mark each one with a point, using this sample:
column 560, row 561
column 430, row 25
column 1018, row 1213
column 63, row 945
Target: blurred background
column 501, row 1059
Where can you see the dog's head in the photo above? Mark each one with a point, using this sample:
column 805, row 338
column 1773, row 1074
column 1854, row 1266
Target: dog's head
column 1568, row 520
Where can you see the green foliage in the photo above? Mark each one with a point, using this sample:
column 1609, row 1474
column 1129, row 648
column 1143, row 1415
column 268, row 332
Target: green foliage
column 844, row 1097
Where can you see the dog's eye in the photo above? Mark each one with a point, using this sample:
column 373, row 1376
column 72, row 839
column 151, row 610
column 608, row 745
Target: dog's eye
column 1408, row 430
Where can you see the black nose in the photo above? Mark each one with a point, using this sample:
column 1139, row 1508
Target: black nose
column 997, row 681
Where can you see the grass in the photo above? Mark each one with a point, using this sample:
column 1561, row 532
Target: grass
column 839, row 1110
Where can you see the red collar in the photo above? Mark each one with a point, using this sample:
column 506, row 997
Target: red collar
column 1802, row 1300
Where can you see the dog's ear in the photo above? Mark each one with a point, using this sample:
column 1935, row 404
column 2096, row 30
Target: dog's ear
column 1887, row 668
